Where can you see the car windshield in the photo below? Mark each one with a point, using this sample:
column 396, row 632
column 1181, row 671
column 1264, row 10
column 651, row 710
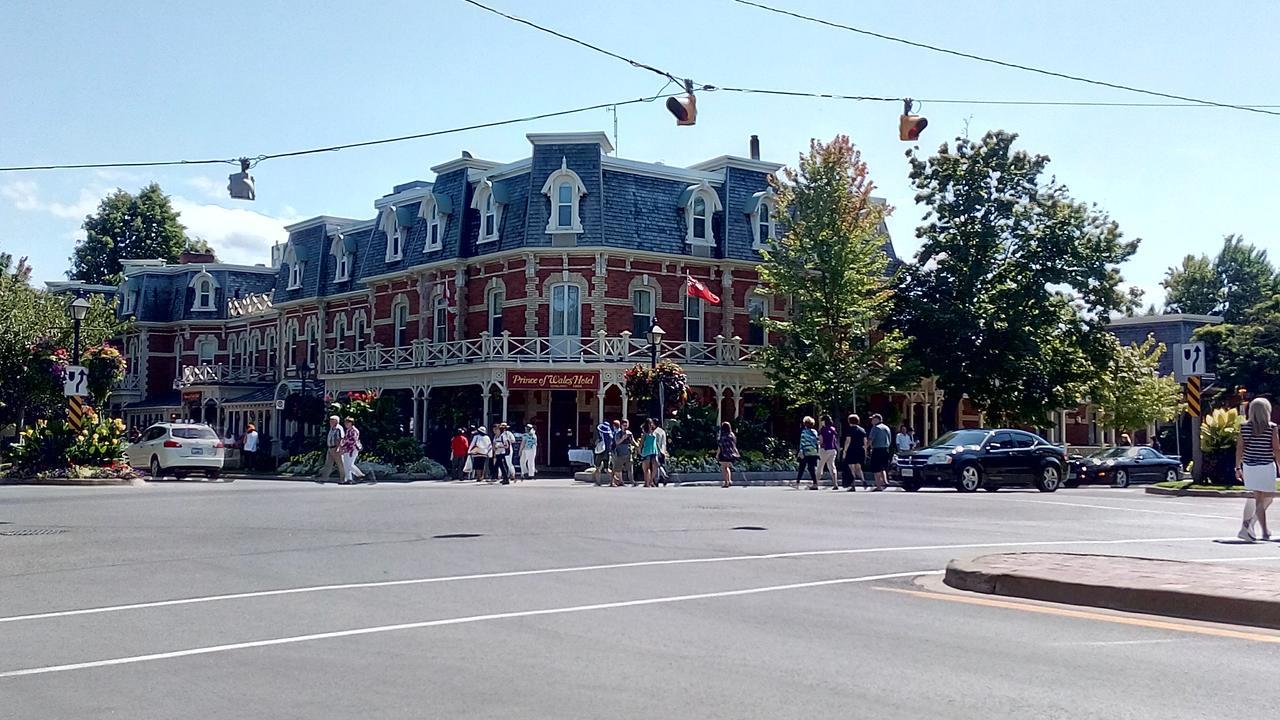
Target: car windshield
column 960, row 438
column 198, row 432
column 1109, row 453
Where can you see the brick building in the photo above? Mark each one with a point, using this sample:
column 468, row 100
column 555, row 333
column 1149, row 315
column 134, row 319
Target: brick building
column 518, row 291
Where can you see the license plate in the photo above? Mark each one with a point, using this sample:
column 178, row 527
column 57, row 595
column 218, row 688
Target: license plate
column 906, row 472
column 197, row 451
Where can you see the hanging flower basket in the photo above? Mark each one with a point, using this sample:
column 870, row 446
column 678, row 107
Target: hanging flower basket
column 642, row 383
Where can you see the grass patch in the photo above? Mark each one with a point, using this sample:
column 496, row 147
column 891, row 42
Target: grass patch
column 1189, row 485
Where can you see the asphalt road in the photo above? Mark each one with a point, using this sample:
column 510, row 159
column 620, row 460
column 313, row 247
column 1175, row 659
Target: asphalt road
column 583, row 602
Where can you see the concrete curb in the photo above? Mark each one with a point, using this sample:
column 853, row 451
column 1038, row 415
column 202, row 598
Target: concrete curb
column 1170, row 492
column 74, row 482
column 993, row 575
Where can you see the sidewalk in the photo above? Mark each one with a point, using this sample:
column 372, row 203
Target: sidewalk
column 1195, row 591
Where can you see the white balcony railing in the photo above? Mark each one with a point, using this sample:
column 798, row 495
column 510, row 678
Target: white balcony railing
column 131, row 382
column 255, row 304
column 507, row 348
column 224, row 374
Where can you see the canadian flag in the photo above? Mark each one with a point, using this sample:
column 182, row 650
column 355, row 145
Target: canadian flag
column 698, row 289
column 446, row 292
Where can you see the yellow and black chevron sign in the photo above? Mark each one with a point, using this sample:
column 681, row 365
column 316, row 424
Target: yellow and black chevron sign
column 1193, row 395
column 75, row 412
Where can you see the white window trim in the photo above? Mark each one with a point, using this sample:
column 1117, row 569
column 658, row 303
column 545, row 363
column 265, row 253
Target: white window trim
column 396, row 235
column 205, row 342
column 397, row 331
column 440, row 306
column 199, row 281
column 551, row 189
column 341, row 256
column 339, row 332
column 769, row 199
column 705, row 191
column 484, row 191
column 430, row 211
column 764, row 301
column 701, row 317
column 290, row 259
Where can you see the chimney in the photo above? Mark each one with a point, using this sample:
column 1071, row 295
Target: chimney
column 755, row 147
column 191, row 257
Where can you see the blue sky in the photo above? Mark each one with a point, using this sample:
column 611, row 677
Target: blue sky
column 90, row 81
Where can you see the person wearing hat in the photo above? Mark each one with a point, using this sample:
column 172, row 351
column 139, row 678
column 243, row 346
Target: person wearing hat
column 503, row 443
column 458, row 448
column 529, row 453
column 603, row 451
column 481, row 448
column 249, row 447
column 332, row 454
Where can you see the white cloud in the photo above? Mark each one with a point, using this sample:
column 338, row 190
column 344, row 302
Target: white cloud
column 237, row 235
column 25, row 195
column 211, row 187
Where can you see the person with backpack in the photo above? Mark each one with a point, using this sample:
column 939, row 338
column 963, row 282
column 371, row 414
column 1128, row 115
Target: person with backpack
column 478, row 453
column 603, row 451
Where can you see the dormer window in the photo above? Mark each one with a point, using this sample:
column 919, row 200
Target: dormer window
column 293, row 261
column 343, row 249
column 565, row 190
column 487, row 201
column 435, row 210
column 762, row 210
column 396, row 222
column 204, row 288
column 700, row 203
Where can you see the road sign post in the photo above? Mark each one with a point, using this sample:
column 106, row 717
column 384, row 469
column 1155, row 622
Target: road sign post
column 1193, row 408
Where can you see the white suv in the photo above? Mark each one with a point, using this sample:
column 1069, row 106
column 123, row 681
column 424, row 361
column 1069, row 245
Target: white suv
column 178, row 449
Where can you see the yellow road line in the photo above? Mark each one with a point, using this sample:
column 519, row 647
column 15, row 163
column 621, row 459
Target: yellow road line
column 1086, row 615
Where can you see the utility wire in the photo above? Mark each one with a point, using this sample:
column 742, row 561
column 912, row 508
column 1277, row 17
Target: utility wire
column 954, row 101
column 583, row 43
column 1002, row 63
column 345, row 146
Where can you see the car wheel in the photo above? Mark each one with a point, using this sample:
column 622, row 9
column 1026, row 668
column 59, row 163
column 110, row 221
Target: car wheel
column 1050, row 478
column 990, row 487
column 156, row 470
column 1171, row 475
column 910, row 486
column 1121, row 480
column 212, row 474
column 970, row 479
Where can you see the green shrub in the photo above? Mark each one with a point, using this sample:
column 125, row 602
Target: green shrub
column 426, row 466
column 400, row 451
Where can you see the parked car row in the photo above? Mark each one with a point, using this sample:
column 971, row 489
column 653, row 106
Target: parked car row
column 994, row 458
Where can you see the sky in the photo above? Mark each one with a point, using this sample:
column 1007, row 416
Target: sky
column 102, row 82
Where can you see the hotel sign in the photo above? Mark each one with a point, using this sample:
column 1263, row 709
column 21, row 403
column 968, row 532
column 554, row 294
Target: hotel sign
column 553, row 380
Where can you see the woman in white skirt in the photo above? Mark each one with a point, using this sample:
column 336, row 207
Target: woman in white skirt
column 1257, row 455
column 528, row 453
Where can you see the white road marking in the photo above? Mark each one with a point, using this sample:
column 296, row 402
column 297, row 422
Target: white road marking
column 1122, row 509
column 1260, row 558
column 1101, row 643
column 209, row 650
column 583, row 568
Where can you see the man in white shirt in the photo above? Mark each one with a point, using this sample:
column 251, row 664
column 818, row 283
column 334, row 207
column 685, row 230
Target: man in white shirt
column 332, row 456
column 249, row 448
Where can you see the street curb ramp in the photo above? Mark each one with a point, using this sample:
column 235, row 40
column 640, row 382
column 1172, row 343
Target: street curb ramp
column 1192, row 591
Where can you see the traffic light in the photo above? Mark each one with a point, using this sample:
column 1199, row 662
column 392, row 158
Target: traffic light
column 686, row 108
column 240, row 184
column 910, row 126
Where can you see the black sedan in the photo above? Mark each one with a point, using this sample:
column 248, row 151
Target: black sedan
column 988, row 459
column 1120, row 466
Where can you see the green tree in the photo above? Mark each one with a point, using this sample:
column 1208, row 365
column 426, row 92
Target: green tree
column 127, row 227
column 830, row 267
column 1131, row 393
column 1192, row 287
column 1240, row 277
column 1246, row 354
column 36, row 326
column 1008, row 298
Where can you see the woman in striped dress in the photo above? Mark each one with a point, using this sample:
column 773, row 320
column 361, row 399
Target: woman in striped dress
column 1257, row 455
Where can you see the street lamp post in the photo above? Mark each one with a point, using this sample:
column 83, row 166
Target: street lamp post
column 654, row 336
column 78, row 308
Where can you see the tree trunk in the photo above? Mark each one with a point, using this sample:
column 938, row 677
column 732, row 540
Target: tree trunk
column 949, row 417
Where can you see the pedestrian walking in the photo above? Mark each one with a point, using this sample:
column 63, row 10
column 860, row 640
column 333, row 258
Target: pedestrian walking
column 332, row 453
column 503, row 445
column 728, row 454
column 350, row 448
column 649, row 454
column 528, row 453
column 603, row 451
column 478, row 453
column 661, row 436
column 1125, row 440
column 904, row 440
column 879, row 439
column 624, row 445
column 829, row 448
column 855, row 451
column 249, row 447
column 808, row 453
column 1257, row 462
column 458, row 446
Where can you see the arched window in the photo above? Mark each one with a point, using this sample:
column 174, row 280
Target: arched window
column 400, row 322
column 756, row 310
column 343, row 249
column 396, row 222
column 269, row 347
column 490, row 206
column 693, row 319
column 340, row 332
column 440, row 323
column 764, row 229
column 204, row 288
column 641, row 312
column 490, row 218
column 251, row 350
column 564, row 189
column 358, row 327
column 435, row 210
column 291, row 342
column 233, row 351
column 312, row 342
column 205, row 350
column 700, row 203
column 497, row 298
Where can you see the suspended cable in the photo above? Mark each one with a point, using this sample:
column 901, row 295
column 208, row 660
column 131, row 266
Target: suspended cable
column 1002, row 63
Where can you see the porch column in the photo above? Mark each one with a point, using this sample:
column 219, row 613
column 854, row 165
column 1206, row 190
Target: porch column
column 737, row 402
column 506, row 397
column 626, row 401
column 1062, row 426
column 600, row 394
column 924, row 435
column 720, row 392
column 485, row 395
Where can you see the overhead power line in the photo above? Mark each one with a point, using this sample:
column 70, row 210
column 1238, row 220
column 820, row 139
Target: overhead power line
column 583, row 43
column 1002, row 63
